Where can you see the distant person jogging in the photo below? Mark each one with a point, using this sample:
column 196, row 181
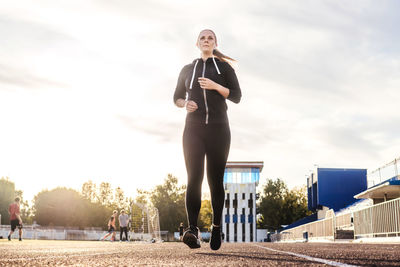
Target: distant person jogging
column 111, row 227
column 203, row 86
column 15, row 218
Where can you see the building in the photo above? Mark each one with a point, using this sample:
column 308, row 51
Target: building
column 331, row 189
column 239, row 214
column 334, row 188
column 373, row 211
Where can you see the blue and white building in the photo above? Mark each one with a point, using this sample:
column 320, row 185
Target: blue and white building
column 239, row 214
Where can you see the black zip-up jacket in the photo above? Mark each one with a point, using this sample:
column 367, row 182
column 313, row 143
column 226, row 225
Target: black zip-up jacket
column 211, row 104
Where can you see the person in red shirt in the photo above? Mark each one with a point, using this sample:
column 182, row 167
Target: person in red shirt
column 15, row 218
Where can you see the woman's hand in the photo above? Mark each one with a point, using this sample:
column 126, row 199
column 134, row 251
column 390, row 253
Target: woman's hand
column 208, row 84
column 191, row 106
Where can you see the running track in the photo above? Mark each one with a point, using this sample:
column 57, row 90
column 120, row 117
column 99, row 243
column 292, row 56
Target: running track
column 96, row 253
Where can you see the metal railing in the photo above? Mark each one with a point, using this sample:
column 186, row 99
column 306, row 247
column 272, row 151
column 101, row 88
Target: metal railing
column 343, row 221
column 322, row 229
column 380, row 220
column 383, row 173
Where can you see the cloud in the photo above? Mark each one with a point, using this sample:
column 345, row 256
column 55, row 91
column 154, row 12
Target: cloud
column 163, row 131
column 319, row 78
column 15, row 77
column 25, row 37
column 22, row 49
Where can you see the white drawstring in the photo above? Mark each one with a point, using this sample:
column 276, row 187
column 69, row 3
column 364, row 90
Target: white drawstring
column 215, row 63
column 194, row 71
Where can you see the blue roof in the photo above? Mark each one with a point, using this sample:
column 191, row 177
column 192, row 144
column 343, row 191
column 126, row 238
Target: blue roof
column 392, row 181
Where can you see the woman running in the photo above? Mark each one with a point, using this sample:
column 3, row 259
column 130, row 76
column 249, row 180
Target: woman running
column 202, row 89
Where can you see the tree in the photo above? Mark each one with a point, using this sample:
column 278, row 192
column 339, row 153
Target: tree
column 142, row 197
column 105, row 194
column 280, row 206
column 89, row 191
column 119, row 199
column 295, row 205
column 66, row 207
column 271, row 204
column 7, row 195
column 205, row 218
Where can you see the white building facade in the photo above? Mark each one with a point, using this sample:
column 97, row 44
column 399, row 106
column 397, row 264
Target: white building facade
column 239, row 214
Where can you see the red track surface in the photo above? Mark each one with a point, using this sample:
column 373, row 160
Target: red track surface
column 96, row 253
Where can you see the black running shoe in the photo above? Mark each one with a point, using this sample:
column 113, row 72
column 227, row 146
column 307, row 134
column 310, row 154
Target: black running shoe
column 9, row 238
column 191, row 237
column 215, row 242
column 20, row 239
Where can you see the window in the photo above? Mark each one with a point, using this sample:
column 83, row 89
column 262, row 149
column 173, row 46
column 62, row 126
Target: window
column 227, row 203
column 227, row 232
column 250, row 203
column 245, row 176
column 234, row 218
column 227, row 218
column 244, row 196
column 235, row 232
column 243, row 232
column 235, row 203
column 243, row 218
column 255, row 175
column 228, row 176
column 251, row 233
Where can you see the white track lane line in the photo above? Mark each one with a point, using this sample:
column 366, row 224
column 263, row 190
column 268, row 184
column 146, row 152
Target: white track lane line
column 333, row 263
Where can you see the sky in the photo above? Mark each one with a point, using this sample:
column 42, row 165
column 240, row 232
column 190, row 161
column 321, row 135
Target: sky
column 86, row 87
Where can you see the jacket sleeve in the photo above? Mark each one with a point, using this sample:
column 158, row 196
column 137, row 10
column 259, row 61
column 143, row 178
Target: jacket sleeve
column 180, row 90
column 235, row 94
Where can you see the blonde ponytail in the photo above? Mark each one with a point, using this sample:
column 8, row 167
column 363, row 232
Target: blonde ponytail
column 221, row 56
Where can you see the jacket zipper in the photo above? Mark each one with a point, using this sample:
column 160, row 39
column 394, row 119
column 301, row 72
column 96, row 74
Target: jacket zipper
column 204, row 92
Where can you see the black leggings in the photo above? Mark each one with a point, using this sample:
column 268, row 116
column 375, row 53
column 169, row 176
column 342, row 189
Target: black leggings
column 211, row 141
